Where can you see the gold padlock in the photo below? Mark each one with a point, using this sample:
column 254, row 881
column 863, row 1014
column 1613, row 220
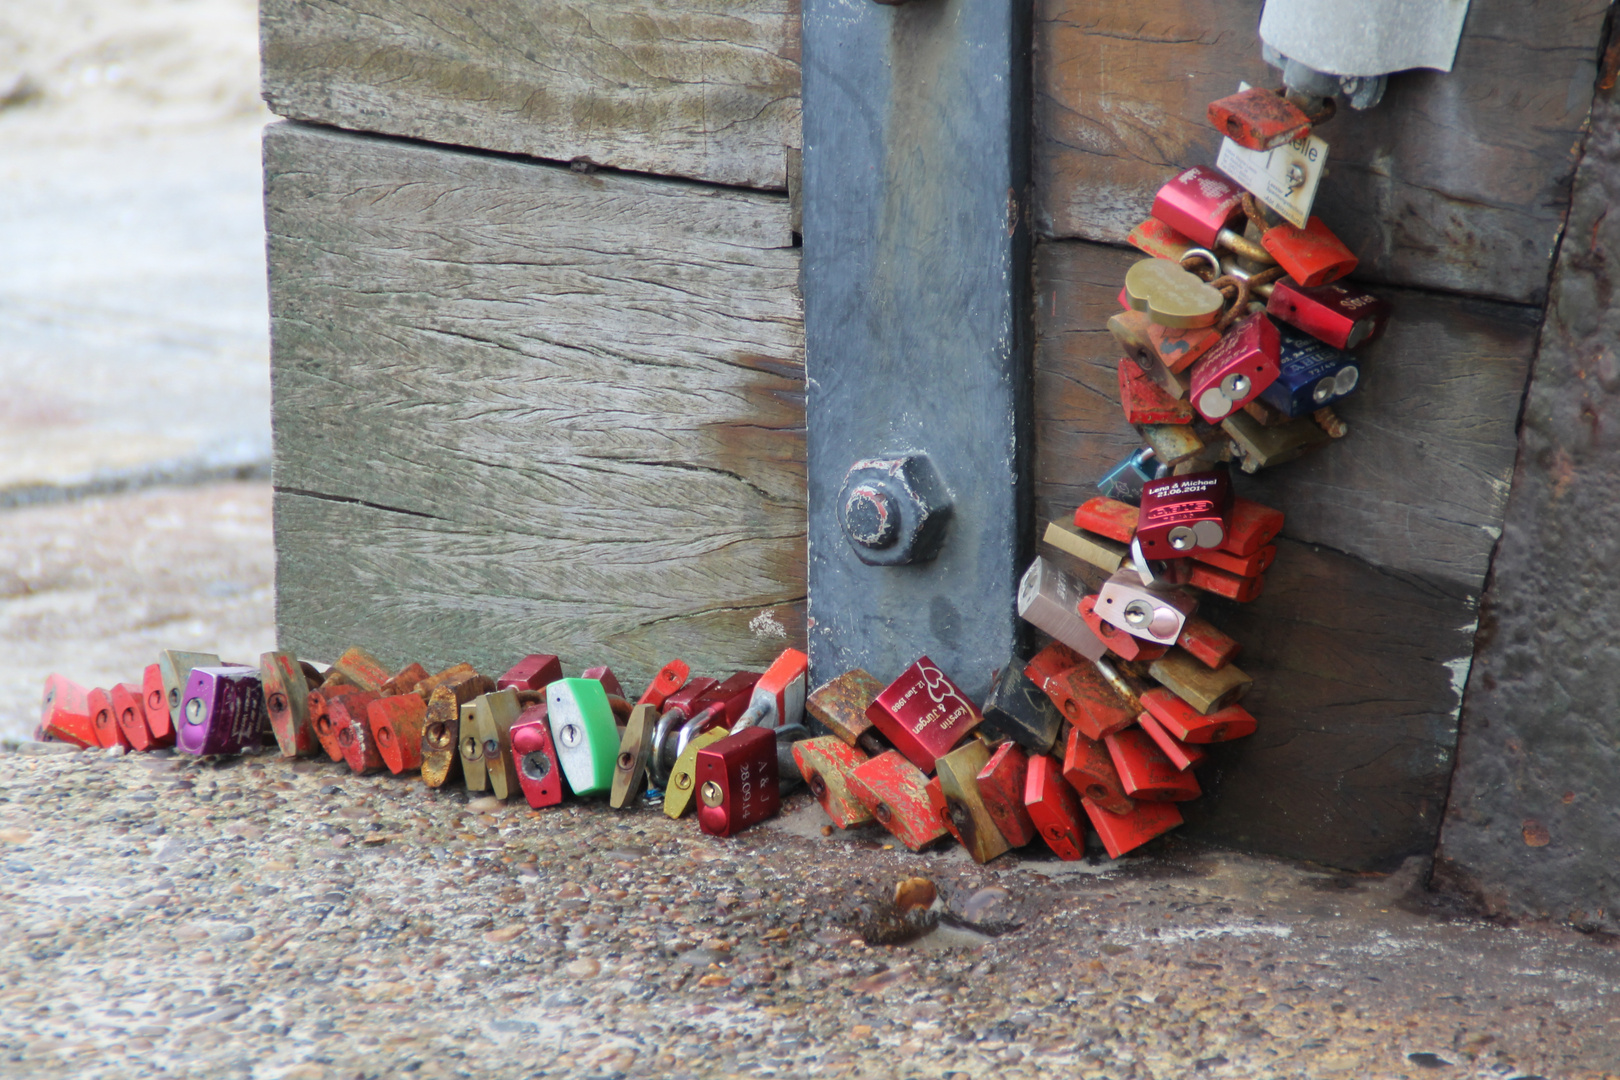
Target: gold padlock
column 678, row 793
column 958, row 773
column 630, row 771
column 489, row 733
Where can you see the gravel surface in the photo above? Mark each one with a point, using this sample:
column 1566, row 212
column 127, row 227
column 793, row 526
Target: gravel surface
column 257, row 917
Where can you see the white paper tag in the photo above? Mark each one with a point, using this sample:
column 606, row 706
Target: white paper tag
column 1284, row 179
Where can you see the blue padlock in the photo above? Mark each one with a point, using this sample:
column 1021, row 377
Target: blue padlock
column 1314, row 374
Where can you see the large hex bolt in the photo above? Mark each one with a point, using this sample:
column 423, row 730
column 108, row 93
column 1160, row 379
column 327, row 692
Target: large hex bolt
column 894, row 510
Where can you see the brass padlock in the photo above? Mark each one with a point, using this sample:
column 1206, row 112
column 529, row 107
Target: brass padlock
column 471, row 750
column 630, row 768
column 441, row 728
column 493, row 715
column 966, row 814
column 1106, row 555
column 1203, row 688
column 682, row 787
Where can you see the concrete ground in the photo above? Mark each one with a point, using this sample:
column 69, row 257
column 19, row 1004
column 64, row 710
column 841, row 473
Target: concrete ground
column 161, row 916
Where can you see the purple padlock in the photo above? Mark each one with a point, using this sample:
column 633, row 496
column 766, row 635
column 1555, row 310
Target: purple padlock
column 222, row 712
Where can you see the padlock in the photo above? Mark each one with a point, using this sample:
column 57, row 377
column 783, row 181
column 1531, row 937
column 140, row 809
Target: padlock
column 1260, row 446
column 1124, row 481
column 286, row 702
column 1087, row 699
column 1184, row 722
column 1050, row 663
column 64, row 713
column 1054, row 808
column 677, row 708
column 351, row 716
column 605, row 676
column 1122, row 832
column 733, row 697
column 534, row 672
column 1132, row 331
column 441, row 728
column 1202, row 205
column 826, row 763
column 1144, row 771
column 539, row 772
column 895, row 792
column 222, row 711
column 680, row 790
column 1156, row 614
column 103, row 720
column 1178, row 350
column 965, row 813
column 320, row 715
column 1155, row 238
column 1089, row 770
column 1253, row 526
column 1182, row 755
column 1126, row 646
column 1001, row 788
column 175, row 667
column 1220, row 583
column 1237, row 369
column 361, row 669
column 453, row 675
column 1182, row 514
column 1204, row 689
column 1020, row 711
column 1338, row 314
column 1107, row 555
column 1109, row 518
column 737, row 781
column 583, row 730
column 1242, row 565
column 630, row 767
column 1172, row 296
column 403, row 681
column 778, row 697
column 1050, row 599
column 841, row 704
column 1206, row 644
column 1145, row 403
column 396, row 728
column 1312, row 255
column 1259, row 119
column 1311, row 374
column 486, row 735
column 129, row 710
column 923, row 713
column 1185, row 447
column 158, row 719
column 670, row 678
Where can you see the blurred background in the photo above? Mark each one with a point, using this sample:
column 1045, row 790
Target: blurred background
column 134, row 352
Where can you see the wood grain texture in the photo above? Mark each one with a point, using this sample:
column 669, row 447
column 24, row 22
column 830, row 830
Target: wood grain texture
column 698, row 88
column 520, row 409
column 1418, row 487
column 1457, row 181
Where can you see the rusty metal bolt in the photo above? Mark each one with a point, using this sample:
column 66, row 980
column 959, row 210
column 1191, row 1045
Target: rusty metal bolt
column 894, row 510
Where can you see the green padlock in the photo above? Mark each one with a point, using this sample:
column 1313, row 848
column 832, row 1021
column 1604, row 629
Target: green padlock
column 584, row 732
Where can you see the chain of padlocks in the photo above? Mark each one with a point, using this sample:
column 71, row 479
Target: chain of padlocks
column 1236, row 347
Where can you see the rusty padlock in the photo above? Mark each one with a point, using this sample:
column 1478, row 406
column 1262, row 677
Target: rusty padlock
column 1202, row 205
column 1183, row 514
column 351, row 716
column 1182, row 755
column 1235, row 371
column 222, row 711
column 1089, row 769
column 670, row 678
column 1087, row 699
column 539, row 771
column 64, row 713
column 738, row 781
column 1144, row 770
column 1242, row 566
column 287, row 684
column 778, row 697
column 175, row 667
column 104, row 720
column 1259, row 446
column 1134, row 333
column 396, row 729
column 1049, row 598
column 1340, row 315
column 1122, row 832
column 441, row 727
column 404, row 681
column 965, row 813
column 1054, row 808
column 320, row 714
column 1204, row 689
column 826, row 764
column 361, row 669
column 895, row 792
column 1126, row 646
column 1001, row 788
column 1206, row 644
column 1259, row 119
column 1186, row 723
column 1145, row 402
column 1020, row 711
column 840, row 705
column 534, row 672
column 1253, row 526
column 584, row 732
column 1312, row 255
column 1108, row 518
column 923, row 713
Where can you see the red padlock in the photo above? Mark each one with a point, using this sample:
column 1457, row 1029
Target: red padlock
column 1179, row 349
column 1126, row 832
column 1182, row 755
column 1144, row 771
column 1201, row 204
column 896, row 793
column 1312, row 255
column 1343, row 316
column 1089, row 769
column 1145, row 402
column 129, row 710
column 104, row 719
column 737, row 782
column 156, row 701
column 778, row 696
column 1121, row 644
column 1253, row 527
column 605, row 676
column 1234, row 372
column 1183, row 514
column 64, row 713
column 361, row 669
column 1156, row 238
column 1187, row 724
column 1206, row 644
column 396, row 728
column 827, row 763
column 539, row 772
column 1054, row 808
column 1244, row 566
column 670, row 678
column 1001, row 789
column 1219, row 582
column 729, row 700
column 534, row 672
column 923, row 714
column 1108, row 518
column 348, row 720
column 1051, row 662
column 1088, row 701
column 1259, row 119
column 320, row 715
